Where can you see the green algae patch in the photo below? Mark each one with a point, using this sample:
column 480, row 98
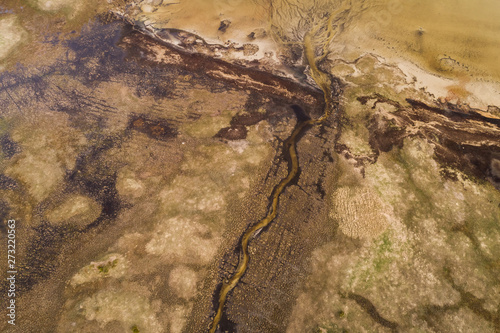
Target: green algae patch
column 432, row 222
column 113, row 265
column 356, row 141
column 106, row 267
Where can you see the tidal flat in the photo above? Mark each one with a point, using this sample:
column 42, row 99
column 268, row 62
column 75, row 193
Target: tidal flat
column 141, row 141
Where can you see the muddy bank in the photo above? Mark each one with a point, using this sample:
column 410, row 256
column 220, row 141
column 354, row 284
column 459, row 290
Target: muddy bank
column 118, row 128
column 135, row 166
column 154, row 51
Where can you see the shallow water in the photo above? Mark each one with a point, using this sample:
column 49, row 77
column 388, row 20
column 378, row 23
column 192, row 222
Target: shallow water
column 454, row 38
column 136, row 168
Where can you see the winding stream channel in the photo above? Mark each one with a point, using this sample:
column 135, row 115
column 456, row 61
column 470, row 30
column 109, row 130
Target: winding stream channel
column 289, row 150
column 143, row 150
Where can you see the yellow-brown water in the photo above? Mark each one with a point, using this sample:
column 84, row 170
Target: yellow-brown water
column 454, row 38
column 437, row 37
column 407, row 172
column 289, row 146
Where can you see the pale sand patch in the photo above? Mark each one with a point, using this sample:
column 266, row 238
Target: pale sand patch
column 183, row 240
column 55, row 5
column 478, row 94
column 77, row 210
column 183, row 281
column 11, row 34
column 49, row 148
column 112, row 265
column 359, row 211
column 126, row 307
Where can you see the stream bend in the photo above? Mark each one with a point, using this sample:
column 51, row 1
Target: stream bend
column 289, row 148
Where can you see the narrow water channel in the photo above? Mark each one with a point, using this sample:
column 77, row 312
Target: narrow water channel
column 290, row 151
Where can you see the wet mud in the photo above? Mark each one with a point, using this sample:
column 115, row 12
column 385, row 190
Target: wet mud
column 106, row 53
column 467, row 141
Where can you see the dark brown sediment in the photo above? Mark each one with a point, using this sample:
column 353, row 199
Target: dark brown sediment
column 154, row 51
column 304, row 122
column 461, row 137
column 467, row 141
